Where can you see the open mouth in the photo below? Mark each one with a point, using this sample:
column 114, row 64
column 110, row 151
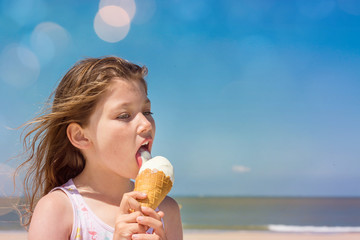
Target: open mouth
column 143, row 152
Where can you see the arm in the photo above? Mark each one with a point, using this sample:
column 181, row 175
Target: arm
column 172, row 219
column 52, row 218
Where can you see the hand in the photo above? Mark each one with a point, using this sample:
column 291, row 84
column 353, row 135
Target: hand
column 151, row 219
column 129, row 210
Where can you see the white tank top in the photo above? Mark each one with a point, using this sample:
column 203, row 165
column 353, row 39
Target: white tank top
column 86, row 225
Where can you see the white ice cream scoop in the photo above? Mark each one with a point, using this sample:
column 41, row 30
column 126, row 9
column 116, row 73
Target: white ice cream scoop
column 158, row 163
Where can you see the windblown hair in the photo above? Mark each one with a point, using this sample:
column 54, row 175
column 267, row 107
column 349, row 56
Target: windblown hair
column 51, row 159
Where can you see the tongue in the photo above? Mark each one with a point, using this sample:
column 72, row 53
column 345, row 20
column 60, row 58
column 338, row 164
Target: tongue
column 142, row 156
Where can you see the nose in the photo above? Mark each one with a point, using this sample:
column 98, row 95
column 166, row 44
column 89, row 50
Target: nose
column 145, row 125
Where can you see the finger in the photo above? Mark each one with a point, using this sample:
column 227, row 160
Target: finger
column 128, row 218
column 154, row 223
column 133, row 216
column 127, row 230
column 135, row 195
column 129, row 205
column 129, row 202
column 146, row 237
column 126, row 226
column 152, row 213
column 161, row 214
column 136, row 228
column 156, row 215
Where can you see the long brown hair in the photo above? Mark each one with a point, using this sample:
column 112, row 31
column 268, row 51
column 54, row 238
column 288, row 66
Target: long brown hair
column 51, row 159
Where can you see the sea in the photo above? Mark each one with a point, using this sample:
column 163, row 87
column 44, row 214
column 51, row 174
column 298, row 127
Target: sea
column 274, row 214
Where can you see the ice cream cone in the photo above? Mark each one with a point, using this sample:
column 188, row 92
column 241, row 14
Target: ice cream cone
column 155, row 184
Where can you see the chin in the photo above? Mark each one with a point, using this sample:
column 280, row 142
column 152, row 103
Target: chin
column 133, row 175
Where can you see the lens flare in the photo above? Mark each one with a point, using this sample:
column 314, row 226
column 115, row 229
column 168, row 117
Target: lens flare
column 114, row 16
column 112, row 24
column 48, row 40
column 145, row 9
column 128, row 5
column 24, row 12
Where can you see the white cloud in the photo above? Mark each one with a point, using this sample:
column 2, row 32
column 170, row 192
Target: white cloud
column 240, row 169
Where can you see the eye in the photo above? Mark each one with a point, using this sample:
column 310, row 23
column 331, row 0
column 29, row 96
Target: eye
column 124, row 116
column 148, row 113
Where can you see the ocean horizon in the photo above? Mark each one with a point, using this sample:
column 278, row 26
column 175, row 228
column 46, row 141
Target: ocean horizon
column 246, row 213
column 276, row 214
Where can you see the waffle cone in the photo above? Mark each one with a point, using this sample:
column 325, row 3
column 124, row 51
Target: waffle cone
column 155, row 184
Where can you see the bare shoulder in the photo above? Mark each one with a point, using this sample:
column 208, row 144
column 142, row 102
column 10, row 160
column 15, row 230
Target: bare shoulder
column 172, row 218
column 53, row 216
column 169, row 205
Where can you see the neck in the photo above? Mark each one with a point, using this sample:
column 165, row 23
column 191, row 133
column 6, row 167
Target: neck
column 102, row 186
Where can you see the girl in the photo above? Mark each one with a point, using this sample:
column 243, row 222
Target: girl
column 82, row 157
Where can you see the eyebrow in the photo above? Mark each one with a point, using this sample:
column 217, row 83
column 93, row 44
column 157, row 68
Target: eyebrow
column 126, row 104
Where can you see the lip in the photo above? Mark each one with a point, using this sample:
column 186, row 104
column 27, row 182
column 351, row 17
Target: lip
column 150, row 142
column 137, row 154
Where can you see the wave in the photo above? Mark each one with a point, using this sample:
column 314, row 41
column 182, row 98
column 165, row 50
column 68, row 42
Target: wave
column 277, row 228
column 313, row 229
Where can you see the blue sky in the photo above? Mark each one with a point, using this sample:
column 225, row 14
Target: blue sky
column 257, row 97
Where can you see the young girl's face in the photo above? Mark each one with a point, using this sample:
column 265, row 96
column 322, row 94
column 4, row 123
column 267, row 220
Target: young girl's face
column 119, row 126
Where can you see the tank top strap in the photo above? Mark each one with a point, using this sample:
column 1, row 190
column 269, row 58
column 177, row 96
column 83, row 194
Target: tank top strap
column 86, row 225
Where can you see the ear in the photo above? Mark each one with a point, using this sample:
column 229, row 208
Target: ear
column 76, row 136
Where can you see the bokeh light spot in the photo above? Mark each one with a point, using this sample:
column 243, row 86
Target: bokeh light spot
column 112, row 32
column 19, row 66
column 23, row 11
column 114, row 16
column 128, row 5
column 145, row 9
column 49, row 39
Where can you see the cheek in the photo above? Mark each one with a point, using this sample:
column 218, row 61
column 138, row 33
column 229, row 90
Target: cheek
column 110, row 138
column 120, row 141
column 153, row 125
column 115, row 140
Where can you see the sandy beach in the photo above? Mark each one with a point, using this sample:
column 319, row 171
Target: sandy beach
column 231, row 235
column 237, row 235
